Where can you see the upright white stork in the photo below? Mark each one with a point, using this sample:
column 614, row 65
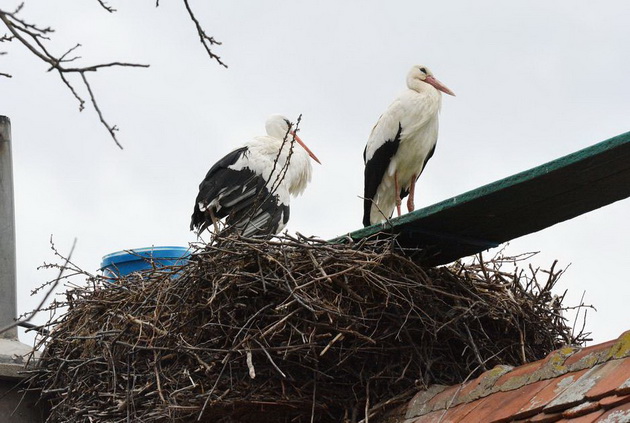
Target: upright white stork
column 401, row 143
column 251, row 186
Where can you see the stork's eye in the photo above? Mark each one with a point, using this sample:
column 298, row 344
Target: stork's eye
column 423, row 70
column 287, row 121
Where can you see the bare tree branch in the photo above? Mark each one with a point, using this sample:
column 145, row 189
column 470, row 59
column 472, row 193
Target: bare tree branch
column 5, row 38
column 106, row 7
column 206, row 40
column 111, row 129
column 34, row 38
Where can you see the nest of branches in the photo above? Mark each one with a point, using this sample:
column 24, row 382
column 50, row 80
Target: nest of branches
column 288, row 330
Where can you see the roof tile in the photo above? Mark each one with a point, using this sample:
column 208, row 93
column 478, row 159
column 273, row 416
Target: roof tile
column 614, row 401
column 441, row 416
column 550, row 392
column 587, row 418
column 435, row 417
column 619, row 414
column 461, row 413
column 517, row 399
column 457, row 414
column 581, row 410
column 483, row 385
column 575, row 392
column 622, row 347
column 418, row 404
column 444, row 399
column 554, row 364
column 611, row 377
column 519, row 376
column 624, row 388
column 488, row 406
column 589, row 356
column 545, row 418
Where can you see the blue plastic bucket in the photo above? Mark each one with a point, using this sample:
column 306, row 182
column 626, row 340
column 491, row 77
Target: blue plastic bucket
column 122, row 263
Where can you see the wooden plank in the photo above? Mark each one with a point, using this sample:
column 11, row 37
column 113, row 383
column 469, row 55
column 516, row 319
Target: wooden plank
column 515, row 206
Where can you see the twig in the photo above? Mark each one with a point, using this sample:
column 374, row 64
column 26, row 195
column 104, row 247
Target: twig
column 50, row 290
column 205, row 40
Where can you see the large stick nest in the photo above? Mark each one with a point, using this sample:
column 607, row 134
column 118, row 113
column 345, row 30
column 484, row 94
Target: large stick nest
column 288, row 330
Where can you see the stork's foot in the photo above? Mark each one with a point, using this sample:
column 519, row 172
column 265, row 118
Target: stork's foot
column 398, row 204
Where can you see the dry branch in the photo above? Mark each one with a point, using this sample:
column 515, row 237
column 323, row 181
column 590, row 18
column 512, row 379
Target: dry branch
column 36, row 39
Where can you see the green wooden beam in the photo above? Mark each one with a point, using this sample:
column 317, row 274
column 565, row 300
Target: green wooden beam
column 515, row 206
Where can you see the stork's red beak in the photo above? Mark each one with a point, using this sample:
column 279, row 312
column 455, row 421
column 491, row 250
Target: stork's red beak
column 310, row 153
column 438, row 85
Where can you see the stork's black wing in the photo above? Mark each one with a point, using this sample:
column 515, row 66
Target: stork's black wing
column 222, row 190
column 375, row 169
column 241, row 196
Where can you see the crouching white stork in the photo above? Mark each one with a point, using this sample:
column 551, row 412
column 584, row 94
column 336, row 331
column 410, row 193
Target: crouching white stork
column 401, row 143
column 251, row 186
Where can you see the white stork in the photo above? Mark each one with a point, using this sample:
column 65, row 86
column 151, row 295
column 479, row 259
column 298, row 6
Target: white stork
column 251, row 186
column 401, row 143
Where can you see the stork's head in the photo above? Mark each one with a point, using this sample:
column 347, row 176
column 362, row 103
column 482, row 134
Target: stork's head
column 422, row 74
column 278, row 127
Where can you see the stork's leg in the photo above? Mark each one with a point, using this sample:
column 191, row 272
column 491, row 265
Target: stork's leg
column 397, row 188
column 215, row 222
column 412, row 191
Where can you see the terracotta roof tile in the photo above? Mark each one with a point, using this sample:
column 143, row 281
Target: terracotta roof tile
column 418, row 404
column 445, row 416
column 453, row 414
column 614, row 401
column 482, row 386
column 589, row 356
column 622, row 347
column 435, row 417
column 575, row 393
column 575, row 385
column 520, row 376
column 619, row 414
column 612, row 376
column 488, row 406
column 624, row 388
column 460, row 413
column 586, row 418
column 581, row 410
column 513, row 405
column 544, row 418
column 444, row 399
column 550, row 392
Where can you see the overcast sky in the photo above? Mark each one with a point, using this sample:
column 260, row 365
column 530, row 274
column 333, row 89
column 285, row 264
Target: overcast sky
column 535, row 80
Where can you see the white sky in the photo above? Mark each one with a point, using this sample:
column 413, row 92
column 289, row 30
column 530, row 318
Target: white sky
column 534, row 80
